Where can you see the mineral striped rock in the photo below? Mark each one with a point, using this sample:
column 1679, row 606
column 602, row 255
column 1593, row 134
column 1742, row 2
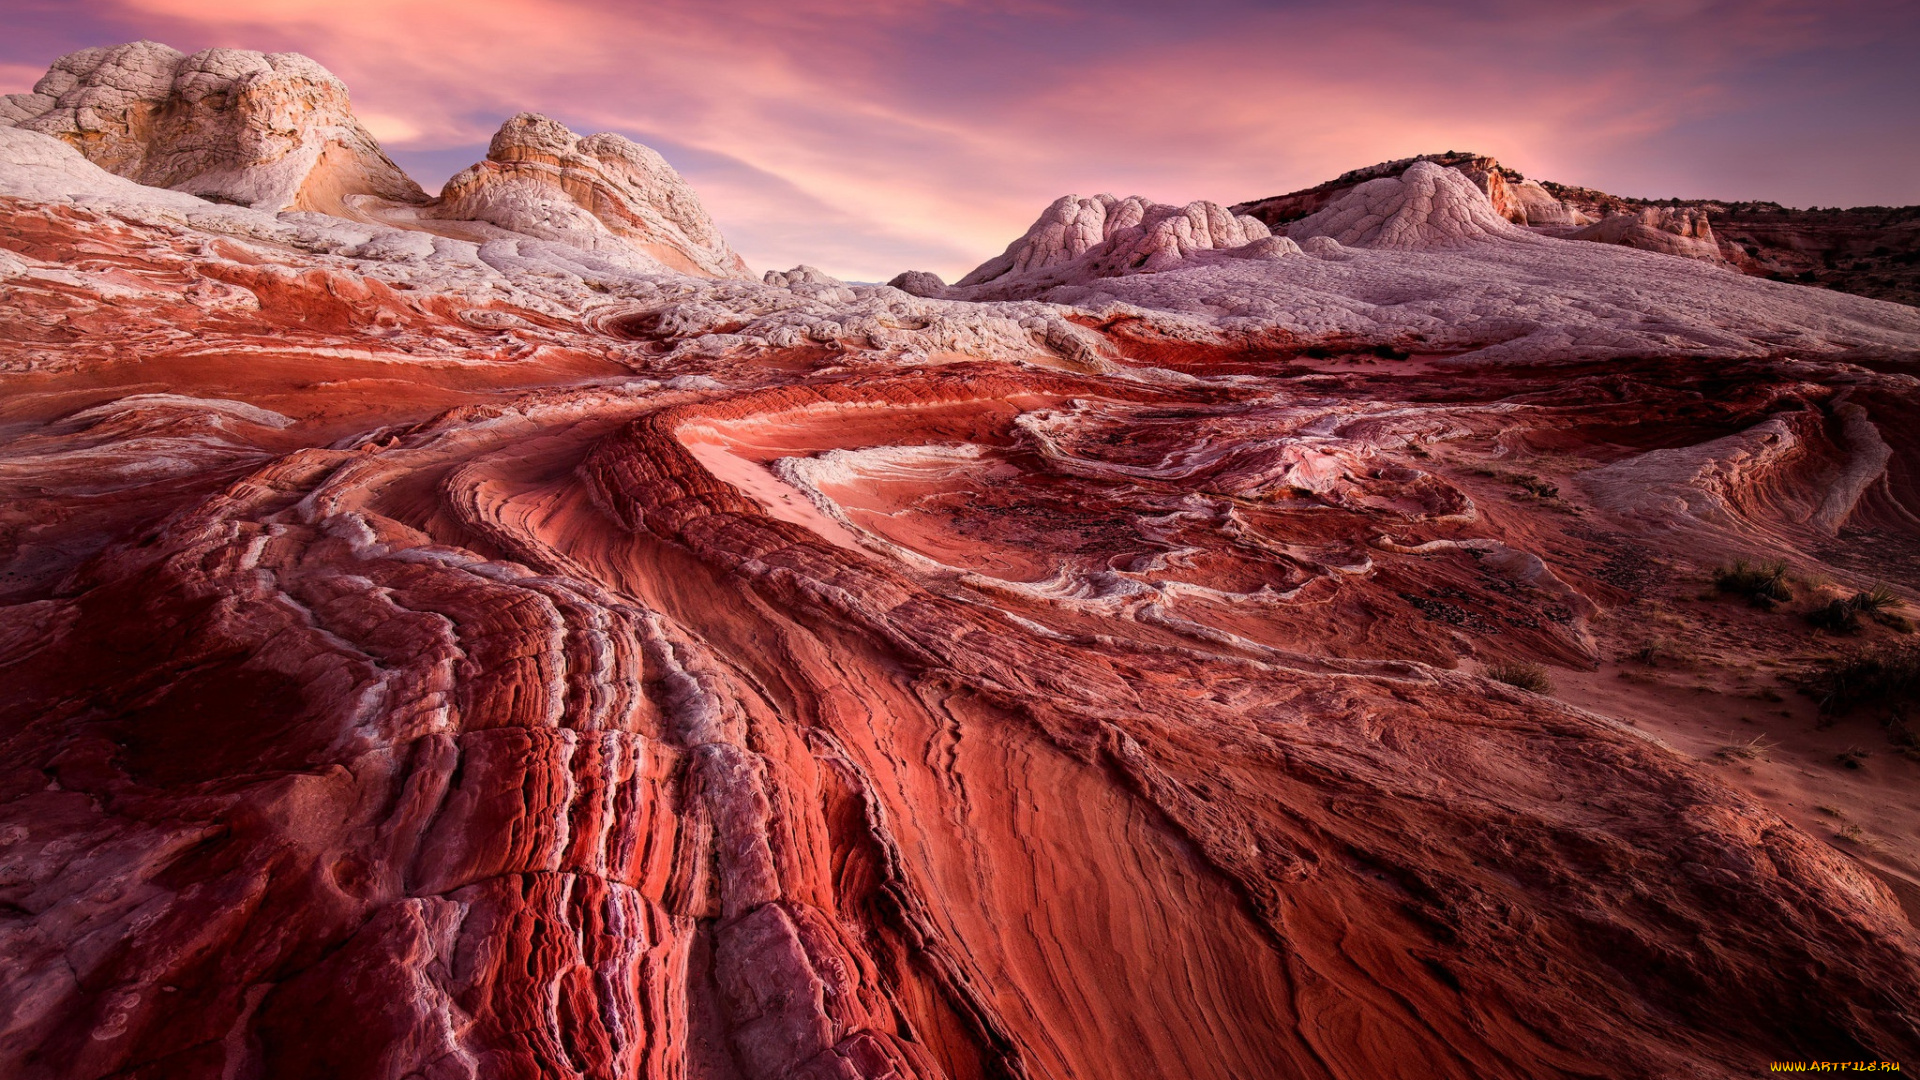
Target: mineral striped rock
column 601, row 192
column 433, row 653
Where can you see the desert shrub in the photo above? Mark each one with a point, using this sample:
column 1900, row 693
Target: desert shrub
column 1838, row 617
column 1763, row 584
column 1535, row 486
column 1659, row 650
column 1652, row 651
column 1523, row 675
column 1886, row 677
column 1876, row 601
column 1854, row 834
column 1843, row 616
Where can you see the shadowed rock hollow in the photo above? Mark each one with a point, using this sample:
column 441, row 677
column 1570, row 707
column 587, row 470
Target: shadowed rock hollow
column 514, row 653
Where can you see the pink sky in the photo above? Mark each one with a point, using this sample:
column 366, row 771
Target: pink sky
column 872, row 136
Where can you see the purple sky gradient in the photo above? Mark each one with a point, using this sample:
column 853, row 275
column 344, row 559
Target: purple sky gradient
column 873, row 136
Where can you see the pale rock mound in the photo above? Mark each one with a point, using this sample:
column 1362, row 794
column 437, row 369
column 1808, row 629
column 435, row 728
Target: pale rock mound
column 1427, row 206
column 1683, row 231
column 1084, row 239
column 1267, row 247
column 920, row 283
column 602, row 192
column 811, row 282
column 273, row 131
column 799, row 275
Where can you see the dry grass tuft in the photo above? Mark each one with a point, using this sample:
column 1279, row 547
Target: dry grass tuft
column 1756, row 748
column 1531, row 677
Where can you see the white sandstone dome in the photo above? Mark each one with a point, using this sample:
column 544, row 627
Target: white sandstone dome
column 1427, row 206
column 274, row 131
column 601, row 192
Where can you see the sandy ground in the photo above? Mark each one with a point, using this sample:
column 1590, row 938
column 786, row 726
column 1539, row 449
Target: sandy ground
column 1728, row 697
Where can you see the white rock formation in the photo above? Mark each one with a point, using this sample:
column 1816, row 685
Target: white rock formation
column 1683, row 231
column 268, row 130
column 811, row 282
column 1513, row 297
column 1428, row 206
column 1530, row 203
column 602, row 192
column 800, row 275
column 1267, row 247
column 1084, row 239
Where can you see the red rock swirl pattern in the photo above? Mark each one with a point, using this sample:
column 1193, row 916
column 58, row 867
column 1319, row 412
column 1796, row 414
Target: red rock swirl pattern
column 956, row 721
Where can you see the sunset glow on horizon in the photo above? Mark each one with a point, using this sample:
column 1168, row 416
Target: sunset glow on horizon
column 873, row 136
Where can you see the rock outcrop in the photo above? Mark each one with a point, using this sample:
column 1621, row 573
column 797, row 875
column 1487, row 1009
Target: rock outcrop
column 272, row 131
column 1427, row 206
column 1528, row 202
column 1083, row 239
column 600, row 192
column 1682, row 231
column 1514, row 197
column 919, row 283
column 1872, row 251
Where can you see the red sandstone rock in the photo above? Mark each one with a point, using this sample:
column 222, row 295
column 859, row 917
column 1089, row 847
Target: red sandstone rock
column 420, row 665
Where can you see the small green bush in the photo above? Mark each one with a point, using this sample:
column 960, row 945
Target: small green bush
column 1763, row 584
column 1531, row 677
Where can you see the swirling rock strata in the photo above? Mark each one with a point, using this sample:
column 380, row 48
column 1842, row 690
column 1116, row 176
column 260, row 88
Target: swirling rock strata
column 432, row 658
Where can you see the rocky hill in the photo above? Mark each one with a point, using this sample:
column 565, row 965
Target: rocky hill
column 1870, row 251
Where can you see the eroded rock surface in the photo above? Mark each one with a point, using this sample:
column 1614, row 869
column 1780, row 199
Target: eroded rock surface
column 1674, row 231
column 269, row 130
column 1083, row 239
column 604, row 192
column 1427, row 206
column 498, row 657
column 1871, row 251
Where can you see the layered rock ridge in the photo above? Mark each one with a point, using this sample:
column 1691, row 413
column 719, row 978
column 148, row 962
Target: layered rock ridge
column 1872, row 251
column 1514, row 197
column 601, row 192
column 273, row 131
